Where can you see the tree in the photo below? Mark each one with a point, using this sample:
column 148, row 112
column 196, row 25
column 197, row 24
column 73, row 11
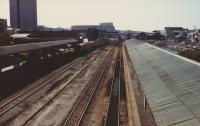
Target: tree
column 92, row 34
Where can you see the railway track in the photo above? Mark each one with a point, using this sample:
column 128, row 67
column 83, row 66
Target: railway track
column 31, row 120
column 24, row 94
column 42, row 80
column 113, row 114
column 39, row 84
column 79, row 109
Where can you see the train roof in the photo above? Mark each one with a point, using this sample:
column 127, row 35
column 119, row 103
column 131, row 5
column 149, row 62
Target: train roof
column 8, row 50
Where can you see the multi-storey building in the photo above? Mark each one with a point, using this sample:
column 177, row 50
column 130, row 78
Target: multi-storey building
column 23, row 14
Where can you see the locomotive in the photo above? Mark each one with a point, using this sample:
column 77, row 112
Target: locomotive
column 88, row 46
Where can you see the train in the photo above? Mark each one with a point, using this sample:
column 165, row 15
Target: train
column 88, row 46
column 32, row 53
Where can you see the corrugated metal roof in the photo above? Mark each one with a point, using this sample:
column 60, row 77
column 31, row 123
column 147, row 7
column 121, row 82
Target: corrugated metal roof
column 171, row 84
column 7, row 50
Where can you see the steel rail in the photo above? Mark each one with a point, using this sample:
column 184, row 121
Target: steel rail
column 32, row 90
column 37, row 87
column 78, row 111
column 36, row 83
column 74, row 77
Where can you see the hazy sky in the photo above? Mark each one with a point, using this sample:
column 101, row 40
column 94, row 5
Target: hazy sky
column 146, row 15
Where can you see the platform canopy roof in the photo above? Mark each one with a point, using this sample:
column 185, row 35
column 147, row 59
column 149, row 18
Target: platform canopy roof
column 171, row 84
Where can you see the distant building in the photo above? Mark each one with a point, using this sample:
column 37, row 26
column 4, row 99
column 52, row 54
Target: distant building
column 82, row 28
column 45, row 28
column 194, row 35
column 157, row 31
column 107, row 27
column 3, row 25
column 172, row 32
column 23, row 14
